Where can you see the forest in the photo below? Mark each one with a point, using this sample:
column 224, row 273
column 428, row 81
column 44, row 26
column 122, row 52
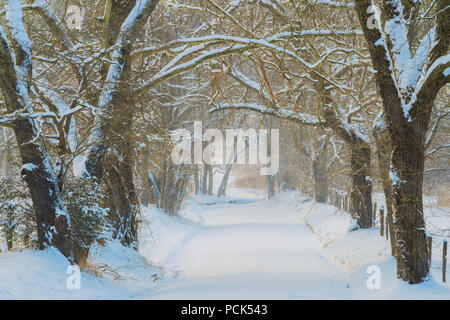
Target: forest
column 122, row 116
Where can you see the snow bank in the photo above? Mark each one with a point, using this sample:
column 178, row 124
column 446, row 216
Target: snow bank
column 332, row 227
column 161, row 236
column 123, row 264
column 35, row 274
column 114, row 272
column 354, row 251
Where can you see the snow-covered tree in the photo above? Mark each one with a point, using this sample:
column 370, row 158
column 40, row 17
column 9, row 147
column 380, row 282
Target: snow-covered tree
column 16, row 67
column 409, row 51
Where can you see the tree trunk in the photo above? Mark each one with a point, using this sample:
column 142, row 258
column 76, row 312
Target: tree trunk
column 286, row 182
column 223, row 184
column 407, row 174
column 80, row 256
column 172, row 184
column 320, row 176
column 361, row 194
column 9, row 244
column 52, row 220
column 270, row 186
column 145, row 181
column 118, row 163
column 121, row 198
column 407, row 110
column 205, row 178
column 384, row 151
column 196, row 180
column 210, row 180
column 38, row 171
column 110, row 156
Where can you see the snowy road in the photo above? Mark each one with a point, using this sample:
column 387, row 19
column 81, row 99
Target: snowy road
column 251, row 251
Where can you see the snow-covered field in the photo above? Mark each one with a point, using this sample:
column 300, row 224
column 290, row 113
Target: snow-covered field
column 237, row 247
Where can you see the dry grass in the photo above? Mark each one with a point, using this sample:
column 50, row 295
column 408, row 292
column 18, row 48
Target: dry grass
column 443, row 196
column 249, row 177
column 103, row 270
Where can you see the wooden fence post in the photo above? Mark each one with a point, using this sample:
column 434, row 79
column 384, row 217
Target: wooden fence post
column 381, row 221
column 387, row 227
column 430, row 247
column 444, row 261
column 374, row 218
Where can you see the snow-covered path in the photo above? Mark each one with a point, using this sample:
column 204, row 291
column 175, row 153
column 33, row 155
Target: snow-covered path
column 251, row 251
column 227, row 248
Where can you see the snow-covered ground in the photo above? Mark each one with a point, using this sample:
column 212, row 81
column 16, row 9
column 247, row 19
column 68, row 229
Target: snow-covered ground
column 237, row 247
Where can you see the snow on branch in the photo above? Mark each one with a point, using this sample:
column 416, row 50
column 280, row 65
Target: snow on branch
column 219, row 38
column 439, row 69
column 24, row 114
column 410, row 71
column 137, row 17
column 304, row 119
column 43, row 8
column 166, row 73
column 396, row 29
column 274, row 4
column 253, row 85
column 22, row 46
column 230, row 17
column 236, row 45
column 334, row 4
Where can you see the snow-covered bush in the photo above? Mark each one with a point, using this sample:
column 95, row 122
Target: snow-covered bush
column 82, row 198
